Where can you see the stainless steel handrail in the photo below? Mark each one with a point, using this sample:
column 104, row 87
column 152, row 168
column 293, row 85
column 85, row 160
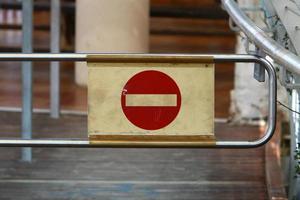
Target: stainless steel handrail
column 261, row 39
column 214, row 58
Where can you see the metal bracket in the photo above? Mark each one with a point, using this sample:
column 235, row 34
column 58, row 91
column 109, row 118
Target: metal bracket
column 288, row 84
column 197, row 58
column 232, row 26
column 259, row 71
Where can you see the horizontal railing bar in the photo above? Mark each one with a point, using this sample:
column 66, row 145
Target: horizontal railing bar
column 83, row 143
column 43, row 57
column 281, row 55
column 82, row 57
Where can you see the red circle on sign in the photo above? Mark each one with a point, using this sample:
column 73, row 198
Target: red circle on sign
column 147, row 113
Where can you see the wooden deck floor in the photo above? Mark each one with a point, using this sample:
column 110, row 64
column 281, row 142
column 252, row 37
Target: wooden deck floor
column 61, row 173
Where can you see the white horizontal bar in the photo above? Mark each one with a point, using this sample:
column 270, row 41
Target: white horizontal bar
column 151, row 100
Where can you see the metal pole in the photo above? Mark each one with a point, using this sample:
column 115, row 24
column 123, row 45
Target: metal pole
column 27, row 16
column 54, row 69
column 297, row 137
column 294, row 181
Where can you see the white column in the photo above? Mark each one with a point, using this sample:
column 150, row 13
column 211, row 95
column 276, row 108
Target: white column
column 110, row 26
column 249, row 97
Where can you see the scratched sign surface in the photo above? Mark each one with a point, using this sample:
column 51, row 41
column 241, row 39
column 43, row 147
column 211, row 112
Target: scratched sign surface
column 150, row 99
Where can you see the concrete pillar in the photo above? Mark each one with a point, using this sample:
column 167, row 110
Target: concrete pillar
column 114, row 26
column 249, row 97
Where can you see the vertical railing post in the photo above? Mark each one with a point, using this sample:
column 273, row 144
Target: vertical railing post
column 27, row 17
column 54, row 69
column 294, row 182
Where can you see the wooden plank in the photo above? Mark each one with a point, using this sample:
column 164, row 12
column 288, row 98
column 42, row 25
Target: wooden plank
column 203, row 12
column 188, row 3
column 180, row 26
column 129, row 190
column 191, row 44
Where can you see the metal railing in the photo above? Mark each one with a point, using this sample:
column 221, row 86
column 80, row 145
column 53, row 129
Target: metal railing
column 288, row 62
column 261, row 39
column 172, row 58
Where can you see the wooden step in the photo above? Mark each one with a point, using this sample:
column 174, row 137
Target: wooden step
column 203, row 12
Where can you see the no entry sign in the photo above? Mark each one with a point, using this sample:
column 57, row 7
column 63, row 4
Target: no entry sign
column 151, row 100
column 145, row 98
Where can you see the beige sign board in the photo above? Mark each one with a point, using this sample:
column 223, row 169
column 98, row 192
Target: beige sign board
column 106, row 118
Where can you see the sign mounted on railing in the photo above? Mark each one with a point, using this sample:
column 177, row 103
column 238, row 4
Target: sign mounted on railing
column 188, row 129
column 140, row 98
